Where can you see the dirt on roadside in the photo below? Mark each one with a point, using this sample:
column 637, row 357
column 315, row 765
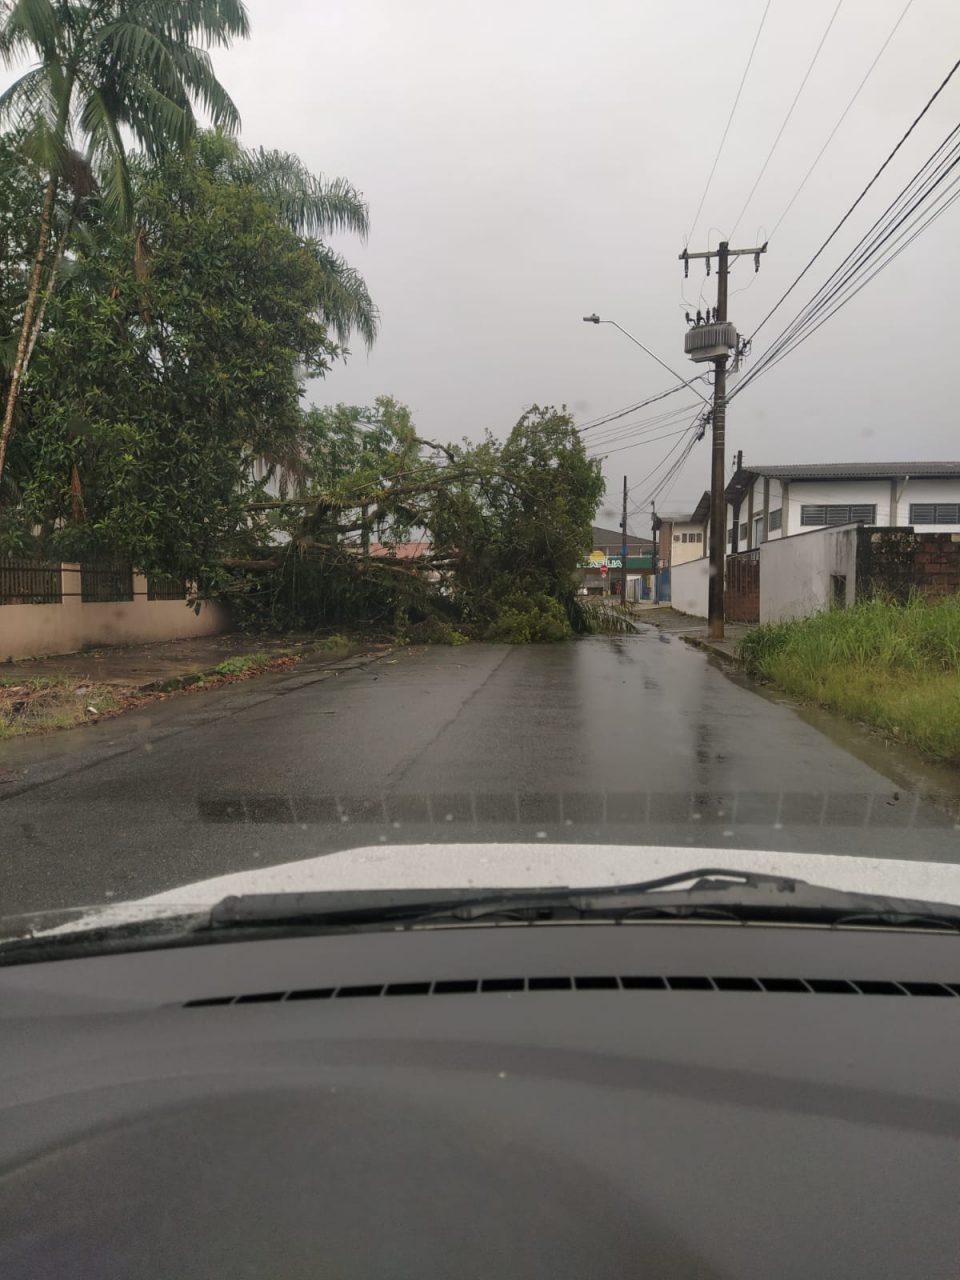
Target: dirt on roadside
column 43, row 704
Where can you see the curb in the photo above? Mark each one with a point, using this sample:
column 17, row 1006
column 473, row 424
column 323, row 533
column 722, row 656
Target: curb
column 172, row 683
column 699, row 643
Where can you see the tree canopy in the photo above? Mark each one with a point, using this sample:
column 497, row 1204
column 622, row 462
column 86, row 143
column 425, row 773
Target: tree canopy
column 100, row 68
column 172, row 366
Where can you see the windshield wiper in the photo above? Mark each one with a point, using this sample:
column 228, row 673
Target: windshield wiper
column 711, row 893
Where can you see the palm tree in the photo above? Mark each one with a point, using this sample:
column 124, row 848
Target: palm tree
column 101, row 67
column 311, row 206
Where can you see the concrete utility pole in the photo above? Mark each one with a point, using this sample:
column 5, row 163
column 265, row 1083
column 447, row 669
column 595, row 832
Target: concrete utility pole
column 655, row 535
column 623, row 547
column 714, row 340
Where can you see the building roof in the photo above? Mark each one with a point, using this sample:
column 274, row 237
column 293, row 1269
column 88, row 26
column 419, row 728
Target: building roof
column 745, row 474
column 699, row 515
column 614, row 538
column 400, row 550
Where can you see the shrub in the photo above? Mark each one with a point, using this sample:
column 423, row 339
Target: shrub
column 536, row 619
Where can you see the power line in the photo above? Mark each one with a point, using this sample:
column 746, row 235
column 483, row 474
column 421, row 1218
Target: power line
column 943, row 84
column 837, row 292
column 675, row 466
column 786, row 118
column 632, row 408
column 868, row 250
column 643, row 427
column 716, row 159
column 843, row 116
column 632, row 444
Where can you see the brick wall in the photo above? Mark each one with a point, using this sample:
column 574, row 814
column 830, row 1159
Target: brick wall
column 937, row 564
column 899, row 561
column 741, row 601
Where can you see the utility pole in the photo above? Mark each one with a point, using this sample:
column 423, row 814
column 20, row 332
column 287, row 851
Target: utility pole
column 713, row 339
column 623, row 548
column 655, row 534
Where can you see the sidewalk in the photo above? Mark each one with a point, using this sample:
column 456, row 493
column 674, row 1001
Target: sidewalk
column 151, row 666
column 692, row 630
column 63, row 692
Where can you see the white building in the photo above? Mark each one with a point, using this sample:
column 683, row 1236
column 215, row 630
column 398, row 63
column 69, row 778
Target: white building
column 682, row 535
column 769, row 502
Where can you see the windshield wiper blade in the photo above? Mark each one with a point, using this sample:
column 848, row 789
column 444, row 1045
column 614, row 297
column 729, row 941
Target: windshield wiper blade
column 717, row 893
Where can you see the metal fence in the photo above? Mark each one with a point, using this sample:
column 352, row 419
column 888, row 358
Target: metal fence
column 166, row 588
column 30, row 582
column 106, row 582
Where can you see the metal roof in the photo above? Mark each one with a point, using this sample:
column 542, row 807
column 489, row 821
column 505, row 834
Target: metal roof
column 744, row 476
column 699, row 515
column 614, row 538
column 855, row 470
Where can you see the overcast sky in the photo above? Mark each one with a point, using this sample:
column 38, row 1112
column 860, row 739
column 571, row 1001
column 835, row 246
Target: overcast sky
column 529, row 161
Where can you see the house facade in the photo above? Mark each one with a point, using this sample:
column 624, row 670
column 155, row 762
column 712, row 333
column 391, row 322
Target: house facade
column 769, row 502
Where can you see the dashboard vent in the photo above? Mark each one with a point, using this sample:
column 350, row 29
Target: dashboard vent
column 593, row 982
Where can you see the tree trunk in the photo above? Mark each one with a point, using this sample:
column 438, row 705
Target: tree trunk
column 51, row 284
column 33, row 292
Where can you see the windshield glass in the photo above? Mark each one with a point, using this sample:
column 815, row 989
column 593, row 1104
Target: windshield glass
column 506, row 446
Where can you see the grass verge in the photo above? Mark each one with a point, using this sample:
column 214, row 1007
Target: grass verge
column 52, row 702
column 894, row 666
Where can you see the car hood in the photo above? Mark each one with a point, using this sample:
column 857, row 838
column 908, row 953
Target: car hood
column 503, row 866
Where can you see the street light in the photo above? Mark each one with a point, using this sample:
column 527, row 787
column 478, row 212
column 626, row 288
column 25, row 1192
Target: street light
column 595, row 319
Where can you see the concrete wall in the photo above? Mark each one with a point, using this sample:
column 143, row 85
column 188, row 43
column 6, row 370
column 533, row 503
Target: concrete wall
column 796, row 572
column 689, row 586
column 33, row 630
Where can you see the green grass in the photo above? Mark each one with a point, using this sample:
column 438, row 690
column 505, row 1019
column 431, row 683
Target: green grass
column 245, row 662
column 44, row 703
column 896, row 667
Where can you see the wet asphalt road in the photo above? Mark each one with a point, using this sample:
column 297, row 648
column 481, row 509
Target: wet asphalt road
column 625, row 740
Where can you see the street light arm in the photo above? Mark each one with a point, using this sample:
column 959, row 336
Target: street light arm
column 595, row 319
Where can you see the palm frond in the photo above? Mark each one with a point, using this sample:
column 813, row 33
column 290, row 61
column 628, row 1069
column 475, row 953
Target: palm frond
column 308, row 204
column 345, row 301
column 215, row 22
column 109, row 154
column 29, row 25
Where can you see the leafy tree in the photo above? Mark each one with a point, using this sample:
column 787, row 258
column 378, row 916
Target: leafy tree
column 162, row 383
column 509, row 523
column 519, row 521
column 313, row 207
column 102, row 67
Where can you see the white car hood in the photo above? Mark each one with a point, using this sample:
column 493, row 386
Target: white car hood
column 502, row 866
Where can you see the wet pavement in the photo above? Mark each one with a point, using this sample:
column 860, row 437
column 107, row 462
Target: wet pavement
column 618, row 740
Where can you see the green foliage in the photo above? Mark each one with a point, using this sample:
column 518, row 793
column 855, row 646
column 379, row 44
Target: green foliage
column 877, row 633
column 518, row 519
column 894, row 666
column 599, row 617
column 244, row 662
column 537, row 619
column 101, row 69
column 172, row 363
